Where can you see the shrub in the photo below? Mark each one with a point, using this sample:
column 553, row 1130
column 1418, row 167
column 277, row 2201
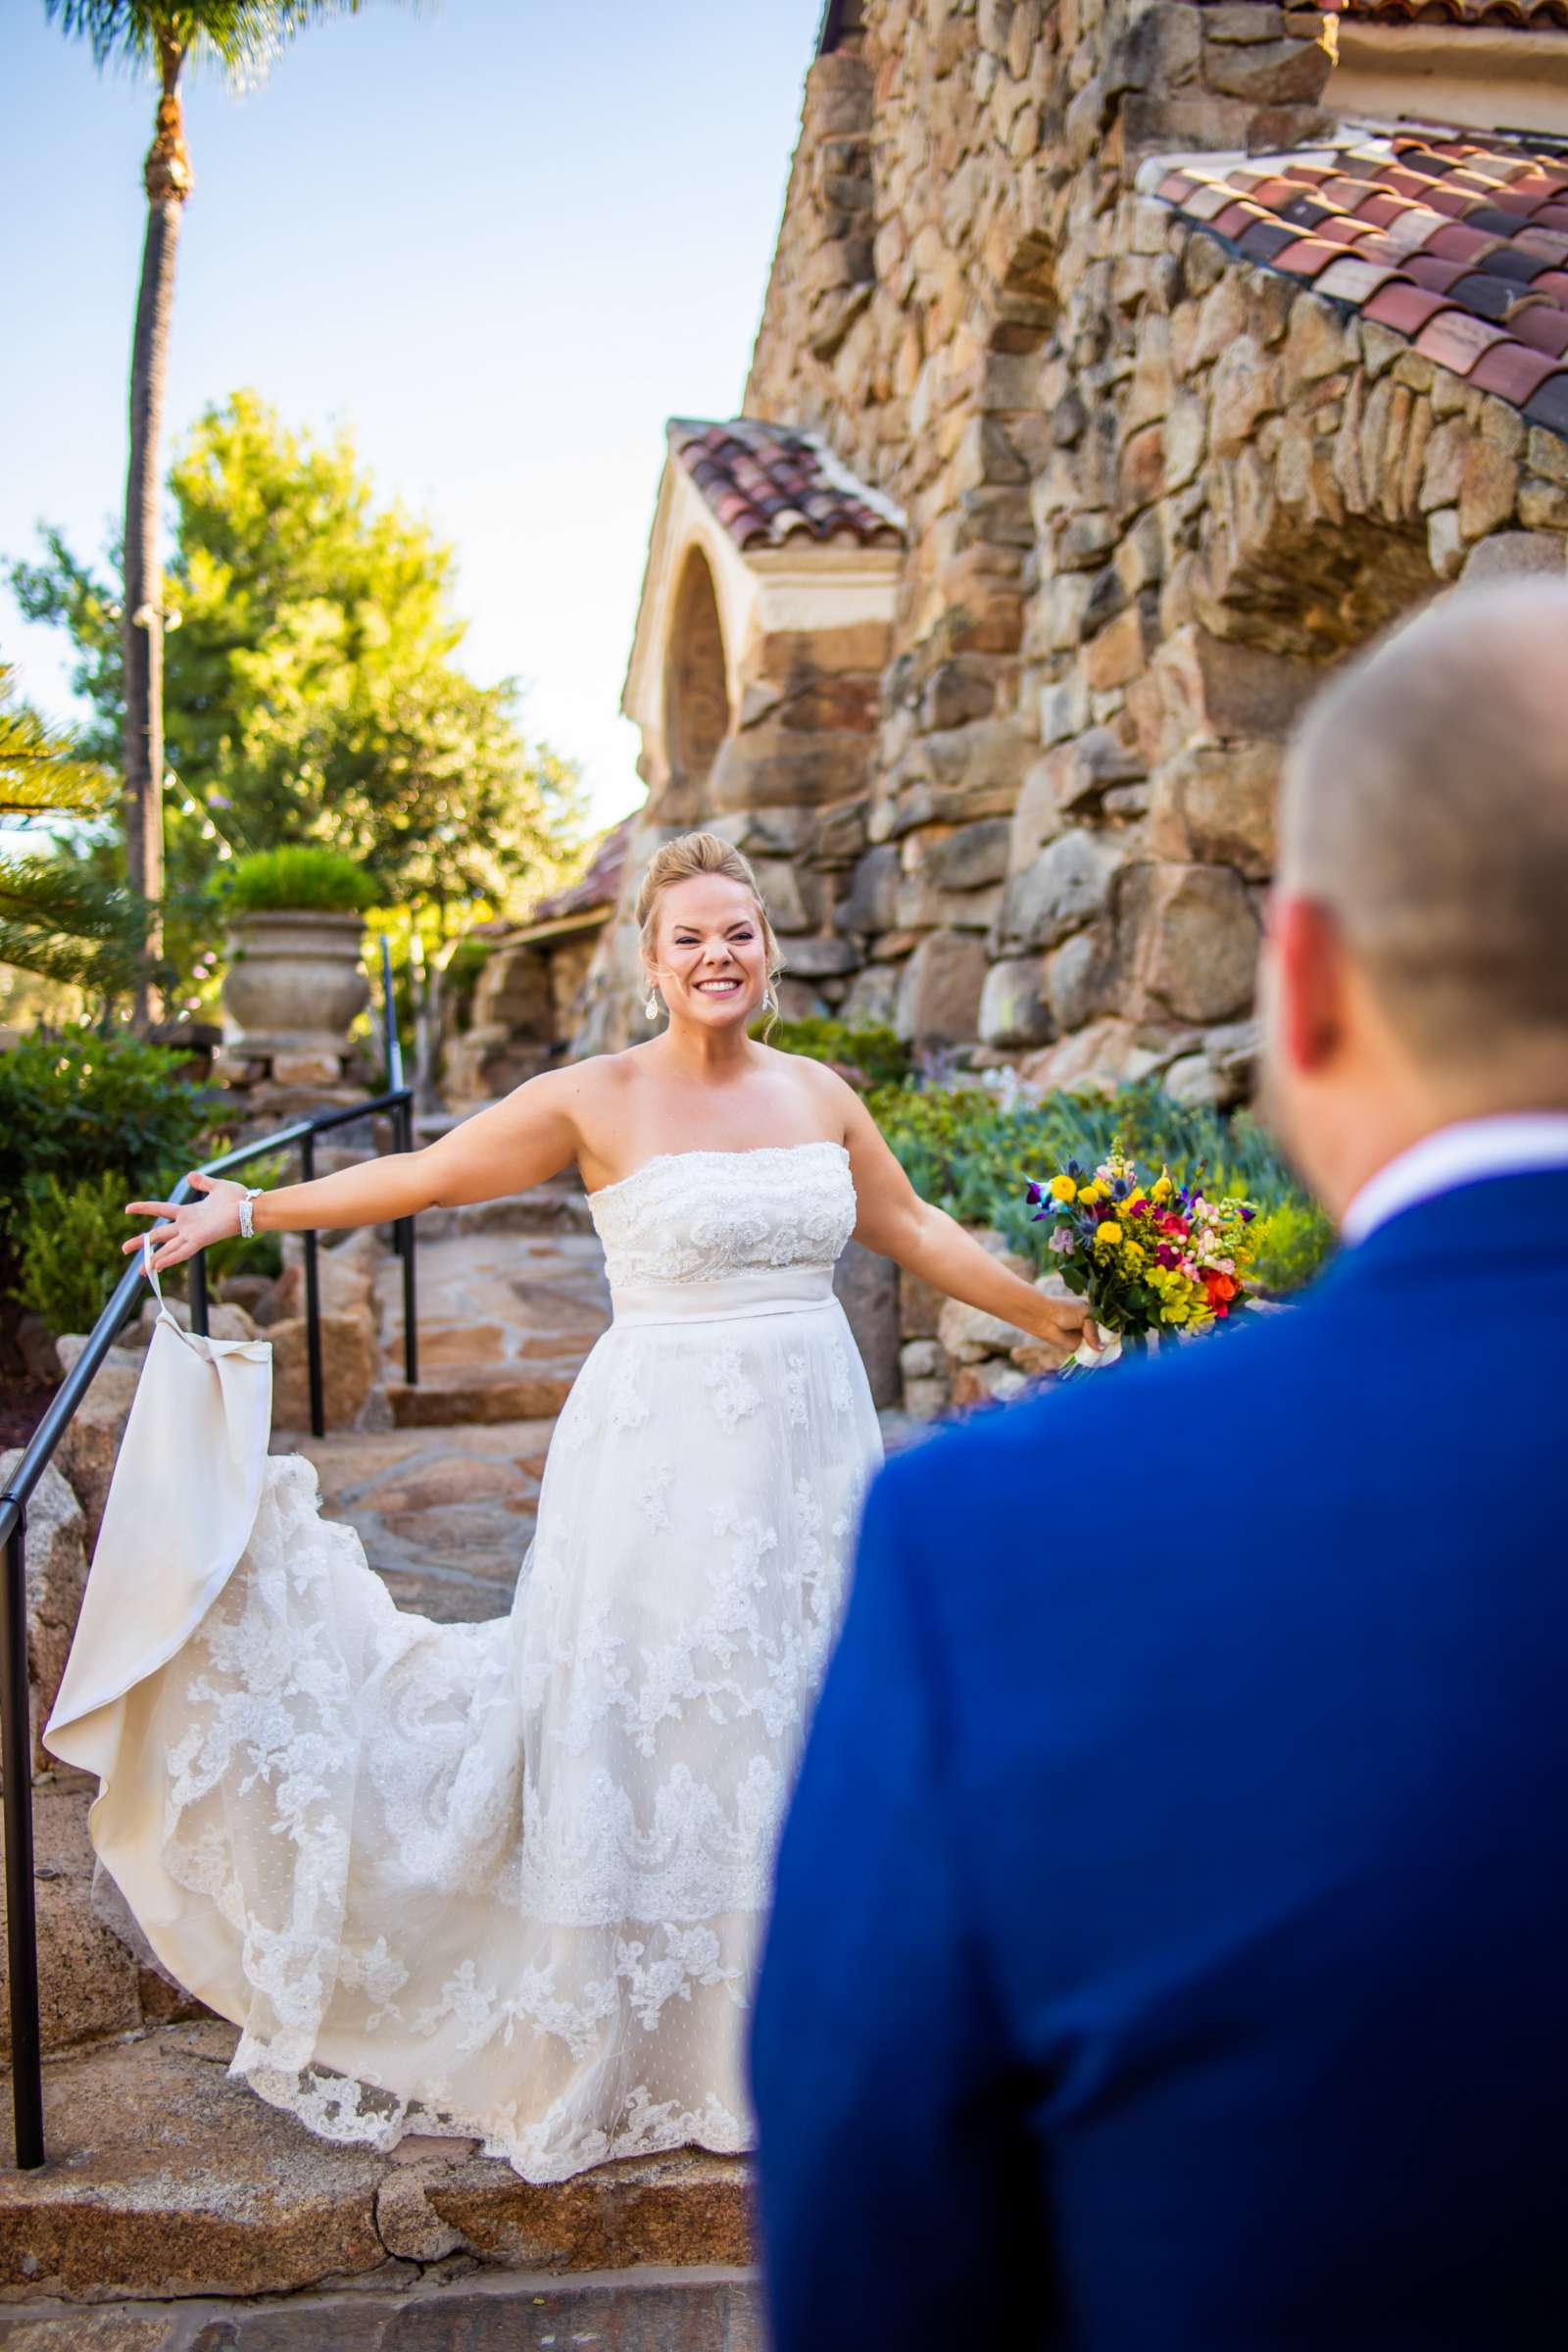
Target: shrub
column 298, row 878
column 82, row 1103
column 881, row 1057
column 1294, row 1241
column 67, row 1237
column 972, row 1150
column 88, row 1111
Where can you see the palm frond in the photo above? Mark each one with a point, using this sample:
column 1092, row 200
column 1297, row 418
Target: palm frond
column 60, row 895
column 242, row 36
column 41, row 771
column 60, row 920
column 103, row 967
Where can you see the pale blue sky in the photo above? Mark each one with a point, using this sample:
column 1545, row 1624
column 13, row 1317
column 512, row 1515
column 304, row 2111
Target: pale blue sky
column 500, row 239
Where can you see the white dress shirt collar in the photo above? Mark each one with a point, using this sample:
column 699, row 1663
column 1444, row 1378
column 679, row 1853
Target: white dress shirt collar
column 1512, row 1145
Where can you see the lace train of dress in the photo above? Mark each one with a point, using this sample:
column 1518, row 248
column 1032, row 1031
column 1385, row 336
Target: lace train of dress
column 505, row 1881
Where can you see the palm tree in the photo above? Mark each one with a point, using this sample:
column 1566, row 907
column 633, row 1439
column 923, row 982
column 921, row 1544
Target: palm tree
column 57, row 918
column 241, row 38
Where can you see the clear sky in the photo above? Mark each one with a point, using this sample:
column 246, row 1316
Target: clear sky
column 500, row 239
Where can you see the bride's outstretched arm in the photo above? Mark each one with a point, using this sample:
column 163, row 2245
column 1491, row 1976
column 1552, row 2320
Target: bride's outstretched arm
column 917, row 1235
column 516, row 1142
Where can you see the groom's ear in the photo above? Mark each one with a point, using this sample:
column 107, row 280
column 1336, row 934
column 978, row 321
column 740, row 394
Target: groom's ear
column 1307, row 950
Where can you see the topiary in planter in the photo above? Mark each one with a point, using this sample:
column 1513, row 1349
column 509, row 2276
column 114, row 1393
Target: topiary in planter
column 294, row 982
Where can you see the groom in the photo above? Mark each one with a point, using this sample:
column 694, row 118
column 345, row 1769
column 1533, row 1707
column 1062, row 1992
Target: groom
column 1171, row 1944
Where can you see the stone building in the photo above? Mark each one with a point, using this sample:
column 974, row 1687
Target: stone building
column 1123, row 363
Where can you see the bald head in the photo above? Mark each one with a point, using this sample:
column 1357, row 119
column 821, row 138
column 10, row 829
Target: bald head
column 1426, row 808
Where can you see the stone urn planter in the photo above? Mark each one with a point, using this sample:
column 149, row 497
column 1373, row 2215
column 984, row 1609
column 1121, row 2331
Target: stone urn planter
column 294, row 984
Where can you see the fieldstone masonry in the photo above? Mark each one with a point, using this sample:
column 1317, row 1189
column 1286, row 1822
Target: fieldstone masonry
column 1150, row 490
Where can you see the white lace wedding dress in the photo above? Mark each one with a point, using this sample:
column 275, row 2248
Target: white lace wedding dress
column 505, row 1881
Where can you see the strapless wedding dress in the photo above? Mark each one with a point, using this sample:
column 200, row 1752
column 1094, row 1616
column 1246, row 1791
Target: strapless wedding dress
column 499, row 1881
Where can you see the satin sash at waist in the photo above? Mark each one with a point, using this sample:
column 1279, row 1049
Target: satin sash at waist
column 756, row 1290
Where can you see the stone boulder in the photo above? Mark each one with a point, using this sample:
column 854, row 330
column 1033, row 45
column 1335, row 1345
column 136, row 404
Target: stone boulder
column 1188, row 937
column 89, row 1979
column 1012, row 1010
column 1064, row 888
column 350, row 1366
column 90, row 1446
column 1215, row 804
column 993, row 1382
column 867, row 1288
column 939, row 989
column 57, row 1574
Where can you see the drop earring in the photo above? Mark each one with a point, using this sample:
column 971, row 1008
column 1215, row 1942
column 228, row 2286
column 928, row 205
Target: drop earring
column 650, row 1008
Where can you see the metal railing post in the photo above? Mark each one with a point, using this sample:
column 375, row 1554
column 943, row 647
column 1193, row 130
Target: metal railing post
column 313, row 1303
column 198, row 1294
column 405, row 1247
column 21, row 1928
column 392, row 1045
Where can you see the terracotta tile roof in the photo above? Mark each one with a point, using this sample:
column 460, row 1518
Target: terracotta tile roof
column 1458, row 241
column 769, row 484
column 597, row 886
column 1533, row 15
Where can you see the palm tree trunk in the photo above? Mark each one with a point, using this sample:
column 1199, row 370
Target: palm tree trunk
column 168, row 178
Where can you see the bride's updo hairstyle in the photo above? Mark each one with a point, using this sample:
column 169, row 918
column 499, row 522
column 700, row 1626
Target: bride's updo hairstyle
column 681, row 860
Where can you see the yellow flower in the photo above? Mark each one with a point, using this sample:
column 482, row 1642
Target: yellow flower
column 1062, row 1188
column 1161, row 1189
column 1133, row 1254
column 1091, row 1191
column 1107, row 1236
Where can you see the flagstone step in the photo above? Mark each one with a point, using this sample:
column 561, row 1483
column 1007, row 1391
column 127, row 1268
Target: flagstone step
column 90, row 1985
column 167, row 2179
column 447, row 1398
column 658, row 2309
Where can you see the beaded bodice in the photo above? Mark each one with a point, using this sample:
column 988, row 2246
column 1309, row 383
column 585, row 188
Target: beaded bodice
column 696, row 1217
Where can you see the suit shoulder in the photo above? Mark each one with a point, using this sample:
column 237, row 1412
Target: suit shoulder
column 1006, row 1459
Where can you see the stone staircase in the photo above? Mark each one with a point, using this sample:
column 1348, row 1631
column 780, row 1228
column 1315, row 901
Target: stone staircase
column 177, row 2213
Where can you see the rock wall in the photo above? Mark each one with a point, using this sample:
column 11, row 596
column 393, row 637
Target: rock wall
column 1151, row 492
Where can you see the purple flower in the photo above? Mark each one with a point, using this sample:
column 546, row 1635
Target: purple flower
column 1032, row 1194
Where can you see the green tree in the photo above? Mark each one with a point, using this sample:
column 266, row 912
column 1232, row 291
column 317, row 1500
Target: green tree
column 163, row 36
column 313, row 692
column 58, row 917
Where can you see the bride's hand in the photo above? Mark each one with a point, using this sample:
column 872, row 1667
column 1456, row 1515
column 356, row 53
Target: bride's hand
column 190, row 1227
column 1065, row 1323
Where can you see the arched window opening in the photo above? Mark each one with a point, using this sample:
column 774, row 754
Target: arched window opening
column 695, row 684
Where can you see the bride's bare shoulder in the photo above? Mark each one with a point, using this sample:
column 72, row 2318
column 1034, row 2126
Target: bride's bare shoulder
column 817, row 1084
column 595, row 1095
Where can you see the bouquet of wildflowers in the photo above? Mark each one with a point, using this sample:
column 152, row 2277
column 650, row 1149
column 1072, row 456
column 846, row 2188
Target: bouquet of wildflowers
column 1155, row 1262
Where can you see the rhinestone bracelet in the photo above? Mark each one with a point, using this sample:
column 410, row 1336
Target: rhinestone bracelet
column 246, row 1231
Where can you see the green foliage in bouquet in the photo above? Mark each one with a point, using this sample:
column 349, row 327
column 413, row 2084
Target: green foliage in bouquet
column 66, row 1237
column 878, row 1054
column 297, row 877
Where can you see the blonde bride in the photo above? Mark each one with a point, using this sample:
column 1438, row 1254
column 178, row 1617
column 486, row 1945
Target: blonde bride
column 505, row 1881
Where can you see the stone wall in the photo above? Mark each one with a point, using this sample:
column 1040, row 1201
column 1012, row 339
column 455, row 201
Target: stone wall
column 1151, row 492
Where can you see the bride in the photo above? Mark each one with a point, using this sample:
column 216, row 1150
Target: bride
column 505, row 1881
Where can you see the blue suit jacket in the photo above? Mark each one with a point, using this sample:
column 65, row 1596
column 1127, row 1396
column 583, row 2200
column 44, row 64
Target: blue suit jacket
column 1171, row 1942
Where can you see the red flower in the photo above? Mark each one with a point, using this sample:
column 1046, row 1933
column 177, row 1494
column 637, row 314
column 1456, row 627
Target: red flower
column 1221, row 1289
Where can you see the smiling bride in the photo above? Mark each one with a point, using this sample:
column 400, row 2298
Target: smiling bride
column 505, row 1881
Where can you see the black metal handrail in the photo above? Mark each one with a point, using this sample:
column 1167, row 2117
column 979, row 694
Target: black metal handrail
column 15, row 1730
